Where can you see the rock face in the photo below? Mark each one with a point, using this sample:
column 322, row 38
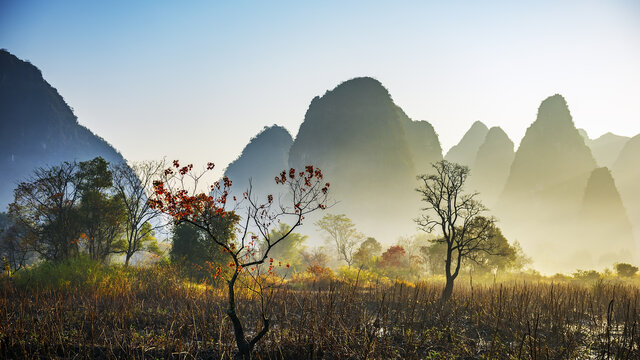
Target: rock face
column 606, row 148
column 356, row 135
column 546, row 185
column 603, row 225
column 266, row 155
column 466, row 150
column 423, row 143
column 37, row 127
column 491, row 167
column 626, row 172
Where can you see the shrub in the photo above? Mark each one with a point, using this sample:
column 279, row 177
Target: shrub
column 625, row 270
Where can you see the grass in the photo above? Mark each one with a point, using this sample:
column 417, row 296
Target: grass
column 152, row 312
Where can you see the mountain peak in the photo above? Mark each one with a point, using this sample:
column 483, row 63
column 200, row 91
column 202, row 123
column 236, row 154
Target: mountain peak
column 466, row 150
column 491, row 166
column 554, row 109
column 263, row 158
column 356, row 134
column 478, row 126
column 359, row 89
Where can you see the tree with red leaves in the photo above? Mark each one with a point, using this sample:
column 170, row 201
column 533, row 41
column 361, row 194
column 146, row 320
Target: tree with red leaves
column 395, row 256
column 176, row 194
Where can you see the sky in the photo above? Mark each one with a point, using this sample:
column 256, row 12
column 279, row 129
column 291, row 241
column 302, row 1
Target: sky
column 196, row 80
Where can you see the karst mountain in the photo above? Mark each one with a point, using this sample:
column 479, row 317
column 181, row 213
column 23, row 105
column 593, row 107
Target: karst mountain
column 465, row 151
column 37, row 127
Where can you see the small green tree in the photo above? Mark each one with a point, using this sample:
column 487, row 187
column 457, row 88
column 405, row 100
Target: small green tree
column 366, row 254
column 342, row 232
column 196, row 249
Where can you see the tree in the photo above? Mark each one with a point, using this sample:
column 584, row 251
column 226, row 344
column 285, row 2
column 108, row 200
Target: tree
column 368, row 250
column 102, row 218
column 101, row 214
column 134, row 185
column 193, row 246
column 456, row 215
column 45, row 205
column 434, row 256
column 395, row 256
column 15, row 249
column 625, row 270
column 291, row 249
column 187, row 244
column 315, row 258
column 176, row 194
column 340, row 230
column 413, row 246
column 68, row 208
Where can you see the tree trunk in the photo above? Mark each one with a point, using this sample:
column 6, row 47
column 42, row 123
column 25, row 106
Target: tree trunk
column 448, row 289
column 244, row 347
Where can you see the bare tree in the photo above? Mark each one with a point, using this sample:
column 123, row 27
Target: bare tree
column 134, row 185
column 458, row 216
column 176, row 194
column 340, row 230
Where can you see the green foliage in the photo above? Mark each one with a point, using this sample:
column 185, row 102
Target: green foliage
column 501, row 257
column 586, row 275
column 67, row 209
column 102, row 218
column 193, row 248
column 290, row 249
column 367, row 253
column 75, row 273
column 434, row 255
column 625, row 270
column 342, row 233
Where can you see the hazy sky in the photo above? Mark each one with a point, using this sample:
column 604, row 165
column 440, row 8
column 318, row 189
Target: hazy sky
column 196, row 81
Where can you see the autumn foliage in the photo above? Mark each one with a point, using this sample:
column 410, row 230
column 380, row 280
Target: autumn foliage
column 176, row 194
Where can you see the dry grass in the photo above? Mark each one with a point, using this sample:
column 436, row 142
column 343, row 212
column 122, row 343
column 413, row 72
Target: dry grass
column 152, row 313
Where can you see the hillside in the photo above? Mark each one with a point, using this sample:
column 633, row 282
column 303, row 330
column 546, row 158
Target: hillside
column 38, row 127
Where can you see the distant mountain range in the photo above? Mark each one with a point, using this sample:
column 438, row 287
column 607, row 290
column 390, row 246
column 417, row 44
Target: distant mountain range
column 37, row 127
column 570, row 200
column 545, row 193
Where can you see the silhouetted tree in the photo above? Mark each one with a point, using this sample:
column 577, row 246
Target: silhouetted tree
column 456, row 215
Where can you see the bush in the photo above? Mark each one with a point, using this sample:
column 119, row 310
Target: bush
column 625, row 270
column 586, row 275
column 74, row 273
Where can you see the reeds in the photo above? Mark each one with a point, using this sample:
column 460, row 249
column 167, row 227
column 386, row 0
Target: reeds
column 152, row 313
